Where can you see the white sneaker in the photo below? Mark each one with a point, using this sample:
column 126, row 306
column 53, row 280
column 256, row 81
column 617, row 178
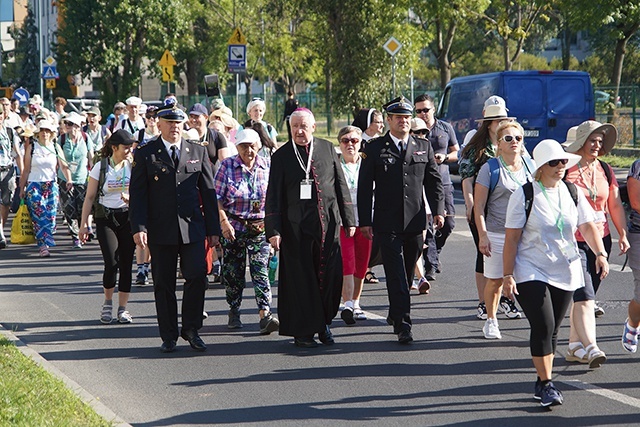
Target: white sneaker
column 490, row 330
column 124, row 317
column 414, row 285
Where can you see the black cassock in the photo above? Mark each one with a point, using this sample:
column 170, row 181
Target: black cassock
column 310, row 277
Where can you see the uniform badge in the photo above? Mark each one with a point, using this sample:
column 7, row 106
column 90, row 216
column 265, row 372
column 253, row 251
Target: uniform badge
column 133, row 164
column 156, row 177
column 363, row 155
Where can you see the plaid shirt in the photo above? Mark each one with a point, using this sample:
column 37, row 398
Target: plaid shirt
column 239, row 189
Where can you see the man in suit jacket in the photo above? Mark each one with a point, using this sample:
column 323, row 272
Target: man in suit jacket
column 402, row 168
column 170, row 180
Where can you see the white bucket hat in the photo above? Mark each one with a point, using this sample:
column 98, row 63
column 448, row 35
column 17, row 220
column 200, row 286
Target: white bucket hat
column 609, row 131
column 550, row 149
column 46, row 124
column 74, row 118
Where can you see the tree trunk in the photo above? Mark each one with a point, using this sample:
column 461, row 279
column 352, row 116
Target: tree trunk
column 193, row 66
column 566, row 45
column 505, row 52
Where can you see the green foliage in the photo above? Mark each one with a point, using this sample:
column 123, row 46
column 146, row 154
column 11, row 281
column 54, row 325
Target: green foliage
column 574, row 64
column 30, row 396
column 26, row 54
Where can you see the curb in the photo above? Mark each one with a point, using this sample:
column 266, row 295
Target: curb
column 100, row 408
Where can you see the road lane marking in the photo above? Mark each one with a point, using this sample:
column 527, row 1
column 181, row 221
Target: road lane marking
column 610, row 394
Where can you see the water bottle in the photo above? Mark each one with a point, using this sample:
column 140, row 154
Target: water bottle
column 273, row 266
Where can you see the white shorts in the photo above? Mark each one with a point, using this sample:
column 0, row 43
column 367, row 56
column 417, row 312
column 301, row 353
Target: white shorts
column 493, row 264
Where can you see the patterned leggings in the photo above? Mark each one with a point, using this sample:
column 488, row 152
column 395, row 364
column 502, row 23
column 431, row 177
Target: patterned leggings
column 234, row 266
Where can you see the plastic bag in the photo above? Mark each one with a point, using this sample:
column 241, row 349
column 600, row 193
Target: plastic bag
column 22, row 227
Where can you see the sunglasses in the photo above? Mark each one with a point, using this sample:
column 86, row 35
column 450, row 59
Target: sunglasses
column 422, row 110
column 346, row 141
column 554, row 163
column 509, row 138
column 420, row 132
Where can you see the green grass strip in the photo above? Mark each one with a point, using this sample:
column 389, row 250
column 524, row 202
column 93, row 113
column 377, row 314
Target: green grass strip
column 31, row 396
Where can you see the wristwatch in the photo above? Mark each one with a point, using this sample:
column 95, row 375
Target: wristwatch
column 602, row 253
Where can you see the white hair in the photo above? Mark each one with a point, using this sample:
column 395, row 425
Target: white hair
column 302, row 112
column 255, row 102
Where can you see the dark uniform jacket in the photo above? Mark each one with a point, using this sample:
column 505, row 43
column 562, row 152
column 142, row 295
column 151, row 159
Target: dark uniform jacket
column 399, row 185
column 165, row 202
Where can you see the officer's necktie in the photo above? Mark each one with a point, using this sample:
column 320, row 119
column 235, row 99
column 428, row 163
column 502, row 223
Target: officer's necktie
column 174, row 156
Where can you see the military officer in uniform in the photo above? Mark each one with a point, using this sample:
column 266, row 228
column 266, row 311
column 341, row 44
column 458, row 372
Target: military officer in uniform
column 171, row 177
column 401, row 167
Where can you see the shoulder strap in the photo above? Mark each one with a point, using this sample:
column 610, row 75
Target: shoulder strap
column 103, row 174
column 528, row 199
column 529, row 165
column 63, row 139
column 607, row 171
column 494, row 173
column 573, row 190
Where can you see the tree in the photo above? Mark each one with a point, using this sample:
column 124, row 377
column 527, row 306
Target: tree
column 113, row 37
column 26, row 53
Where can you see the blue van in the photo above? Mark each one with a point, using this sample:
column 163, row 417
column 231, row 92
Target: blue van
column 545, row 103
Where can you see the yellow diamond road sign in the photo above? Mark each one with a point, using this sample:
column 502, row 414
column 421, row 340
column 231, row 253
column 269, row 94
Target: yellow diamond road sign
column 237, row 37
column 392, row 46
column 50, row 61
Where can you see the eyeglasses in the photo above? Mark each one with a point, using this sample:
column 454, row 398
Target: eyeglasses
column 554, row 163
column 423, row 110
column 420, row 132
column 346, row 141
column 509, row 138
column 68, row 124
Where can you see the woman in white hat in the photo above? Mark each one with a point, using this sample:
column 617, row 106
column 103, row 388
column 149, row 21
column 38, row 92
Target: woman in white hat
column 481, row 147
column 541, row 263
column 597, row 181
column 497, row 180
column 38, row 184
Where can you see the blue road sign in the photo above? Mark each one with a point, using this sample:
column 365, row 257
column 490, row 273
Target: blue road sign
column 50, row 72
column 22, row 95
column 237, row 58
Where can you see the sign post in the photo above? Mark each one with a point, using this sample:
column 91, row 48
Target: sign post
column 393, row 46
column 50, row 75
column 237, row 58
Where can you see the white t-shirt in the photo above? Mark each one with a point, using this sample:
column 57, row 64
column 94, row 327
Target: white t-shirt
column 131, row 126
column 539, row 255
column 44, row 163
column 116, row 182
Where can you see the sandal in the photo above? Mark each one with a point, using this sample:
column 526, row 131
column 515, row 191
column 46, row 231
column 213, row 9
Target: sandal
column 596, row 358
column 370, row 277
column 571, row 355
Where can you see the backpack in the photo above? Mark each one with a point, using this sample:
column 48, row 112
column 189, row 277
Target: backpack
column 98, row 209
column 528, row 196
column 63, row 138
column 494, row 170
column 624, row 194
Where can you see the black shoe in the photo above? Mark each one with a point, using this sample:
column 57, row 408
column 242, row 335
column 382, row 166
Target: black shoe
column 431, row 274
column 305, row 342
column 405, row 337
column 347, row 316
column 269, row 323
column 389, row 321
column 194, row 339
column 234, row 320
column 168, row 346
column 326, row 337
column 142, row 279
column 3, row 244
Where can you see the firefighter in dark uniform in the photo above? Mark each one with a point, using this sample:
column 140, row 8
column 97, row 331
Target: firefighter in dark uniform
column 173, row 209
column 400, row 167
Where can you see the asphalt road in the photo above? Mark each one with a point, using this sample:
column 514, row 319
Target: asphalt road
column 450, row 375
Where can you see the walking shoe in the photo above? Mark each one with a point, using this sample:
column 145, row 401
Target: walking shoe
column 431, row 274
column 596, row 358
column 629, row 338
column 550, row 395
column 215, row 273
column 269, row 323
column 491, row 330
column 44, row 251
column 77, row 244
column 326, row 337
column 205, row 315
column 405, row 337
column 124, row 317
column 424, row 286
column 597, row 310
column 482, row 311
column 106, row 315
column 537, row 390
column 414, row 285
column 508, row 307
column 142, row 279
column 358, row 314
column 575, row 355
column 347, row 316
column 3, row 244
column 234, row 320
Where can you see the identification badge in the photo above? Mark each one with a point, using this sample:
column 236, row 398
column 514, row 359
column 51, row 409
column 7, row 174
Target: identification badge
column 600, row 217
column 73, row 167
column 569, row 251
column 255, row 206
column 305, row 189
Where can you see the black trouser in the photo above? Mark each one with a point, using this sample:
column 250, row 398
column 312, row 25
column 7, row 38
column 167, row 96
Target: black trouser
column 545, row 307
column 476, row 240
column 437, row 238
column 117, row 247
column 164, row 260
column 400, row 251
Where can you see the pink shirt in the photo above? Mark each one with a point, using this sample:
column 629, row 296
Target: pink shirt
column 597, row 188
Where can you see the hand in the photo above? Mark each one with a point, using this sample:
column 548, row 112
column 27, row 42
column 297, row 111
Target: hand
column 367, row 232
column 509, row 288
column 140, row 239
column 227, row 231
column 484, row 246
column 83, row 234
column 213, row 241
column 350, row 231
column 440, row 158
column 124, row 197
column 69, row 185
column 438, row 222
column 275, row 242
column 602, row 266
column 623, row 242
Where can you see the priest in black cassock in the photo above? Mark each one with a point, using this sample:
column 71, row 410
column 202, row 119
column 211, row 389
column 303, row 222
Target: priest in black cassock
column 307, row 202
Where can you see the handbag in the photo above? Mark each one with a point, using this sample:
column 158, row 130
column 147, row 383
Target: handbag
column 22, row 227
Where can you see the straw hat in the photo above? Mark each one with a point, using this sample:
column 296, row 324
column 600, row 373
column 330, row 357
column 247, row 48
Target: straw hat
column 590, row 126
column 550, row 149
column 571, row 136
column 418, row 124
column 495, row 108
